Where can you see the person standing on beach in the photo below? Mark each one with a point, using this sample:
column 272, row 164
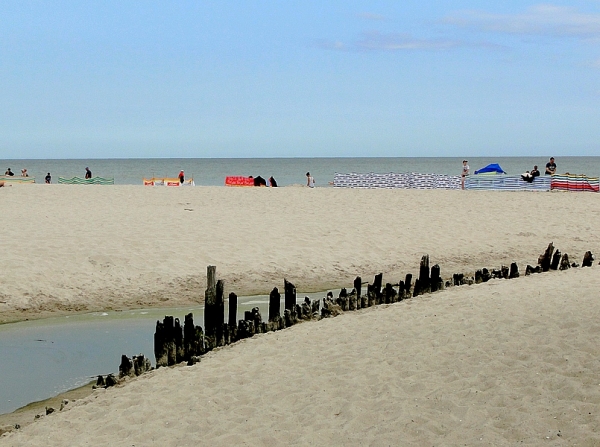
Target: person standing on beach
column 310, row 180
column 465, row 172
column 88, row 173
column 48, row 178
column 550, row 167
column 181, row 177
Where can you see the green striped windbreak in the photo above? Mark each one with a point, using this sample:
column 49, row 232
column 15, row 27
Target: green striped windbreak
column 88, row 181
column 15, row 179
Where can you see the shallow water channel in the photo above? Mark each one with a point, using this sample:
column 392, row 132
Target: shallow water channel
column 42, row 358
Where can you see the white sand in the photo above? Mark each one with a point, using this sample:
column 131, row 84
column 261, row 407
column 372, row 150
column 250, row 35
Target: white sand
column 503, row 363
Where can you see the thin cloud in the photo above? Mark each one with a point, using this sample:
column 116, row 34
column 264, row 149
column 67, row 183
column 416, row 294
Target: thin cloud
column 543, row 20
column 371, row 16
column 376, row 41
column 396, row 42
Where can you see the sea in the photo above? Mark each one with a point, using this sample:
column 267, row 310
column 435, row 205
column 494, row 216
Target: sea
column 286, row 171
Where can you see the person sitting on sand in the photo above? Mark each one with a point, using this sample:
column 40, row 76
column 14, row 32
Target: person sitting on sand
column 48, row 178
column 1, row 184
column 272, row 182
column 535, row 172
column 9, row 172
column 88, row 173
column 24, row 173
column 310, row 180
column 527, row 176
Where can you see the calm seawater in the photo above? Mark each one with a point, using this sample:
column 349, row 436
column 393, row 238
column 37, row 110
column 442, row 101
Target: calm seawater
column 287, row 171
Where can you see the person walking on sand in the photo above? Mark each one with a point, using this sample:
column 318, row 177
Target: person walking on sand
column 181, row 177
column 88, row 173
column 310, row 180
column 465, row 172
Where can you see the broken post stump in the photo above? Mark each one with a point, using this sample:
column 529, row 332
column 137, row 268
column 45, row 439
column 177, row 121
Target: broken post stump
column 407, row 285
column 424, row 279
column 564, row 262
column 210, row 298
column 274, row 304
column 545, row 259
column 233, row 302
column 358, row 287
column 588, row 259
column 436, row 281
column 219, row 317
column 514, row 271
column 290, row 295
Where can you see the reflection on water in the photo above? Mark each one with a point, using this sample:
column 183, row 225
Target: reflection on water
column 43, row 358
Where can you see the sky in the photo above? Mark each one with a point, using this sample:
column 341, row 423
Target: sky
column 116, row 79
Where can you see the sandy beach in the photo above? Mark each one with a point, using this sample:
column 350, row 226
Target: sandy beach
column 499, row 363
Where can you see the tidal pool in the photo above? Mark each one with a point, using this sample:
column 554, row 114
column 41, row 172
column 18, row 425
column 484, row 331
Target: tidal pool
column 42, row 358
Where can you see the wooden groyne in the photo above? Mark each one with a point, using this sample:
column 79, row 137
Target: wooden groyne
column 174, row 343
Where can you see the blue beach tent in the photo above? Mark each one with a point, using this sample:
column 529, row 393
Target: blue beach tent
column 494, row 168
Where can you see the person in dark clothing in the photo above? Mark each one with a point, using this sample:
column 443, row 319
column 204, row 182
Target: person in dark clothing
column 181, row 177
column 535, row 172
column 88, row 173
column 550, row 167
column 259, row 181
column 272, row 182
column 48, row 178
column 9, row 172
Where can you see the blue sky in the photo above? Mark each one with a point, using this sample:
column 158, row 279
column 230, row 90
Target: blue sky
column 298, row 78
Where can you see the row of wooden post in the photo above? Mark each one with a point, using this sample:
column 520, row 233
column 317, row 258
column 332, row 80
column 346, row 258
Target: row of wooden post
column 175, row 344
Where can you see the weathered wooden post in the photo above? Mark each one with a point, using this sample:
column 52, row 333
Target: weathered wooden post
column 219, row 312
column 436, row 281
column 210, row 312
column 290, row 296
column 165, row 345
column 358, row 288
column 193, row 338
column 377, row 288
column 407, row 285
column 555, row 260
column 126, row 368
column 588, row 259
column 389, row 294
column 352, row 301
column 545, row 259
column 504, row 271
column 457, row 279
column 371, row 295
column 343, row 299
column 424, row 279
column 514, row 271
column 169, row 323
column 161, row 352
column 274, row 305
column 233, row 302
column 478, row 276
column 564, row 262
column 178, row 336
